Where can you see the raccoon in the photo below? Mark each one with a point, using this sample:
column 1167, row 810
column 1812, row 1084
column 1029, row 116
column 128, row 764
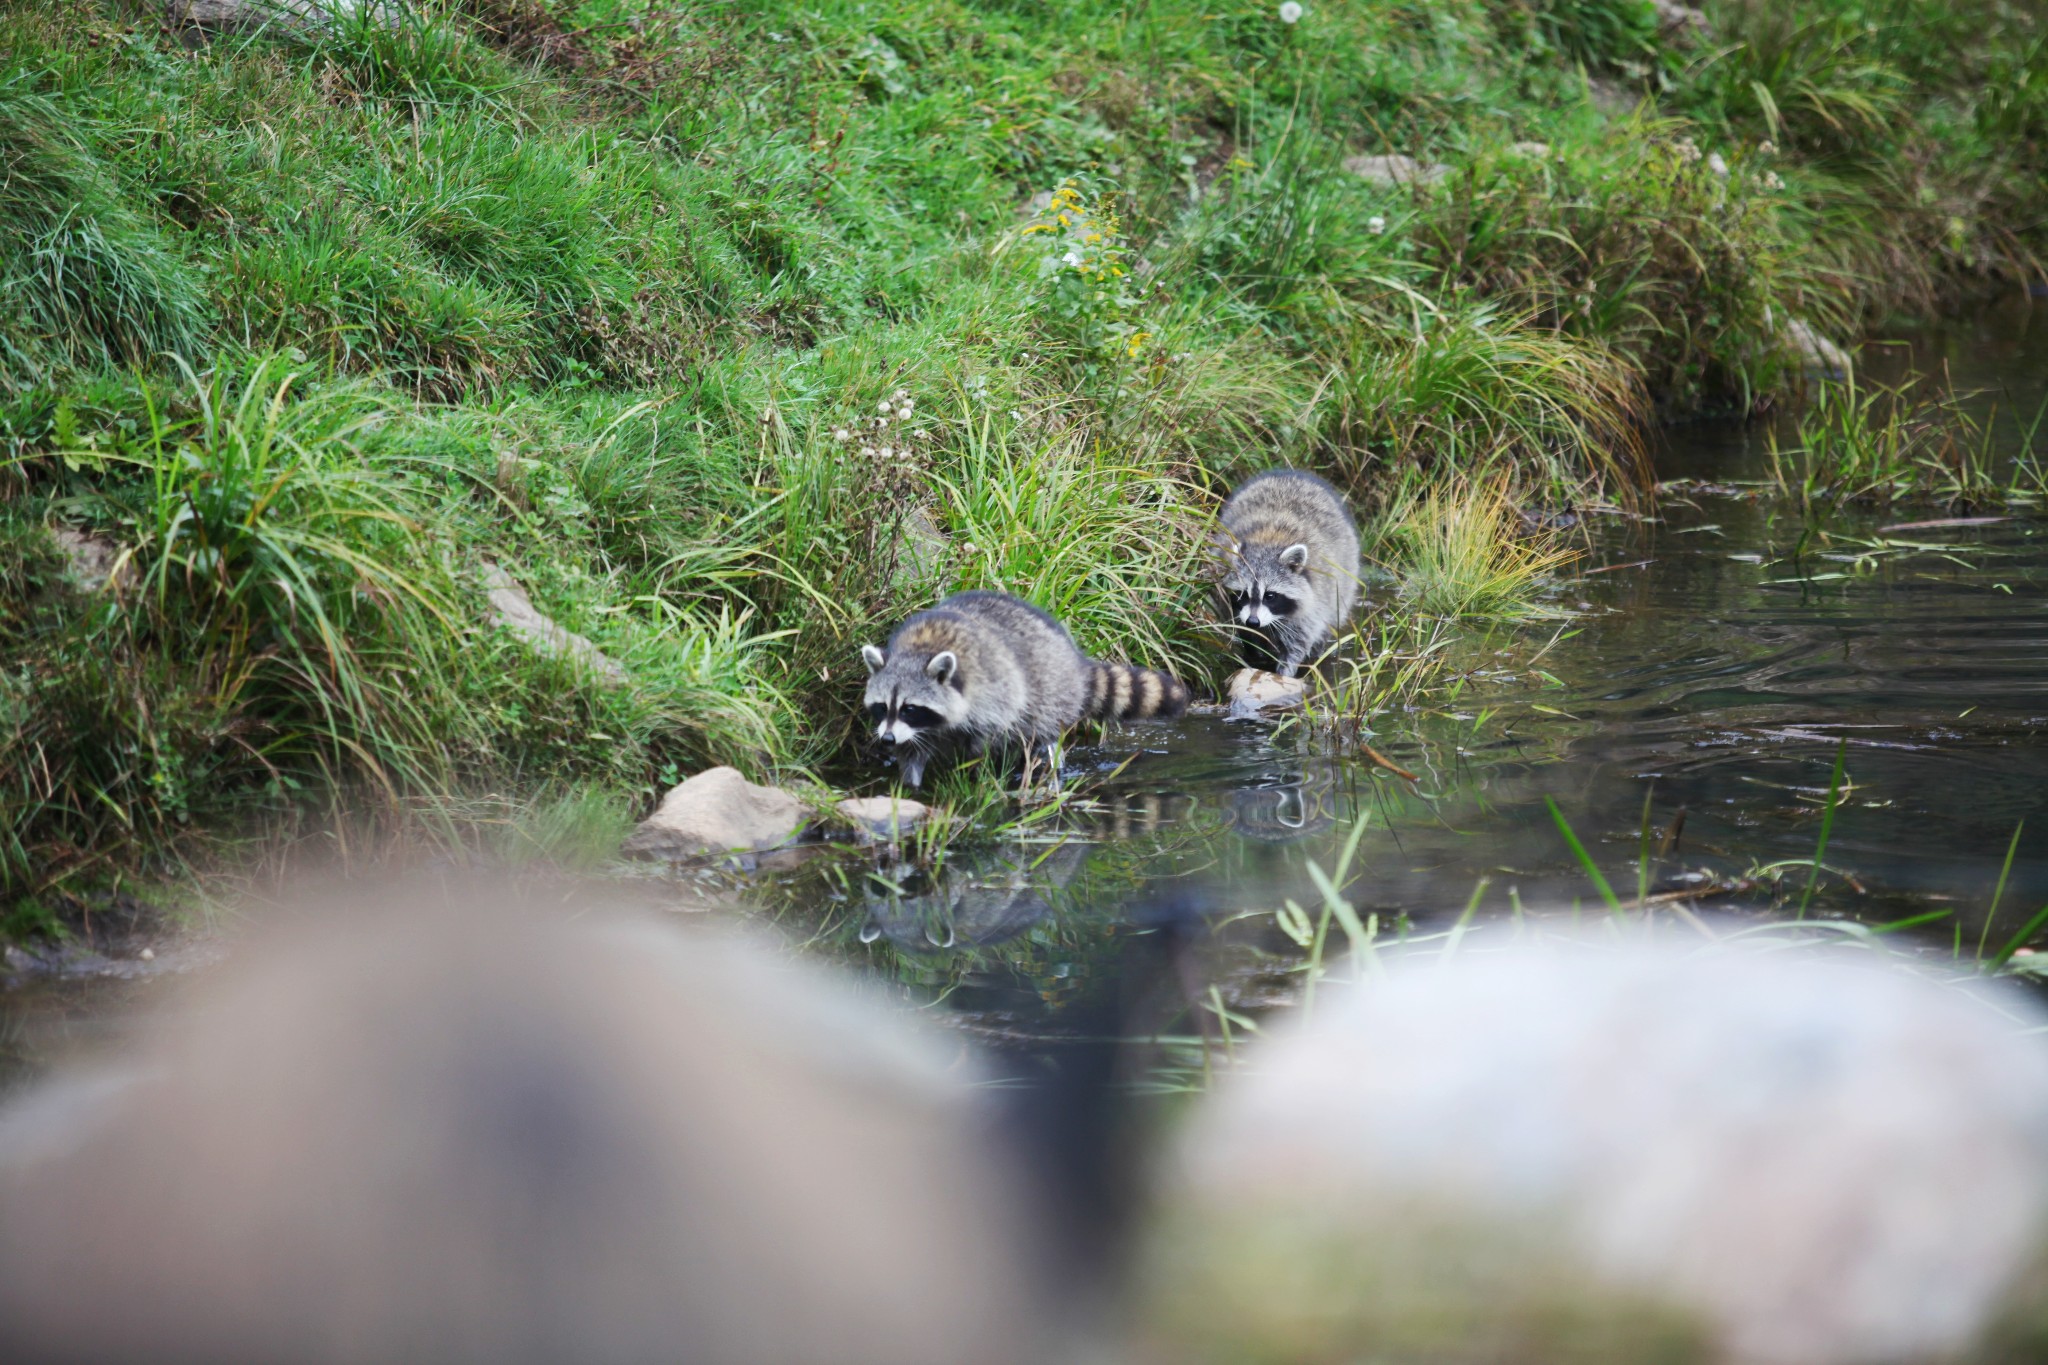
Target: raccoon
column 985, row 670
column 1289, row 577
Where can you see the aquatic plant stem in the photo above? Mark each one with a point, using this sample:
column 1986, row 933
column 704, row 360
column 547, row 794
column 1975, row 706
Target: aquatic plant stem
column 1998, row 893
column 1827, row 824
column 1585, row 859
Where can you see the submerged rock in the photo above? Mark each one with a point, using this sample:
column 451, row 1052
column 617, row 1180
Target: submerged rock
column 515, row 611
column 1252, row 690
column 883, row 819
column 717, row 811
column 1395, row 169
column 1596, row 1153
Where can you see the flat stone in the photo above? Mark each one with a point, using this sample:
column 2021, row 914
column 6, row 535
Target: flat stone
column 717, row 811
column 1253, row 690
column 1395, row 169
column 515, row 611
column 882, row 819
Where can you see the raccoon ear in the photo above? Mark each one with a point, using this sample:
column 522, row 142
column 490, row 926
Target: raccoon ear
column 1294, row 557
column 873, row 657
column 943, row 665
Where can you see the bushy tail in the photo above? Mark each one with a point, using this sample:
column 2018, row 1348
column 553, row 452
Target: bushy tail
column 1121, row 692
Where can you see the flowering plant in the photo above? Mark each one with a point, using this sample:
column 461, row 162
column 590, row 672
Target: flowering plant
column 1081, row 257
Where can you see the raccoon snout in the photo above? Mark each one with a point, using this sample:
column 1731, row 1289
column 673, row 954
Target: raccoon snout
column 1255, row 616
column 895, row 732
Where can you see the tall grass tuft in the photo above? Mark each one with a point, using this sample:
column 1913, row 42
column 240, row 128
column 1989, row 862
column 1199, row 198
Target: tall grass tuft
column 1886, row 443
column 1459, row 549
column 1468, row 387
column 85, row 281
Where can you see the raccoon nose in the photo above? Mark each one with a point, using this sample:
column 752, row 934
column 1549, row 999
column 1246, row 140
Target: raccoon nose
column 1244, row 614
column 882, row 732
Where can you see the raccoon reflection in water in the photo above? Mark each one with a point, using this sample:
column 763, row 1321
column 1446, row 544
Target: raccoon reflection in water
column 1288, row 575
column 986, row 671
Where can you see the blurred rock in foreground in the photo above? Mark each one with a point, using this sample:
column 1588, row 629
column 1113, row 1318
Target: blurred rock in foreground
column 421, row 1137
column 1619, row 1154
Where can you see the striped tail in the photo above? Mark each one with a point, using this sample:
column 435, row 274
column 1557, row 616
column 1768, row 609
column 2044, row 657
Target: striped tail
column 1121, row 692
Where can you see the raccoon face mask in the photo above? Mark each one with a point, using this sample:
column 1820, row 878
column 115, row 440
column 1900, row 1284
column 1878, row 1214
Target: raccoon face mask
column 1264, row 587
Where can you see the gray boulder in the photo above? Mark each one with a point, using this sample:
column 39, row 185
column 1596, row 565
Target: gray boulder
column 718, row 811
column 1595, row 1153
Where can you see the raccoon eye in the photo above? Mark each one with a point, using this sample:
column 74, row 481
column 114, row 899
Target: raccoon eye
column 877, row 712
column 1280, row 606
column 919, row 717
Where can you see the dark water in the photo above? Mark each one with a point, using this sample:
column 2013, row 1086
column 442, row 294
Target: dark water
column 1716, row 660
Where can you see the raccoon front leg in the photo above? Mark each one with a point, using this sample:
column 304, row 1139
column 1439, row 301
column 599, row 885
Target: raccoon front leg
column 910, row 762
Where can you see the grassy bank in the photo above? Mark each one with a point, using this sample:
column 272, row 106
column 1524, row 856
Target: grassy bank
column 733, row 336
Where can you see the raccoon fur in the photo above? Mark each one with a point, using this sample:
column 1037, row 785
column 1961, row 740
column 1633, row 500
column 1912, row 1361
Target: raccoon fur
column 985, row 670
column 1289, row 571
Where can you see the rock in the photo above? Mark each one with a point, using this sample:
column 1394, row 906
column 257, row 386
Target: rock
column 1537, row 151
column 1598, row 1152
column 516, row 612
column 1682, row 25
column 717, row 811
column 922, row 552
column 1610, row 96
column 1252, row 690
column 1815, row 351
column 194, row 19
column 882, row 819
column 92, row 561
column 1395, row 169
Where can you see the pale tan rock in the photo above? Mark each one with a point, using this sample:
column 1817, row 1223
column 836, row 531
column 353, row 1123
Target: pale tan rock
column 883, row 819
column 1395, row 169
column 1252, row 690
column 515, row 611
column 1536, row 151
column 718, row 811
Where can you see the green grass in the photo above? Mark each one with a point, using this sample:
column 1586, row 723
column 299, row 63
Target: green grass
column 313, row 325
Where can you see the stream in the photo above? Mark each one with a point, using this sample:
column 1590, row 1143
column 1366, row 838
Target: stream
column 1703, row 666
